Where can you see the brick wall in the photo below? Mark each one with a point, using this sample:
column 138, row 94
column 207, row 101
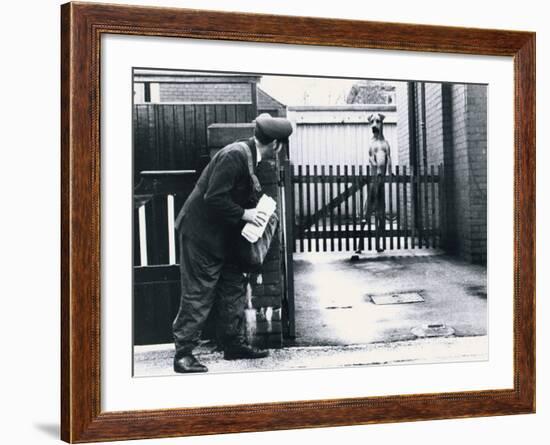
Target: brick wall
column 459, row 187
column 434, row 124
column 199, row 92
column 456, row 135
column 477, row 144
column 402, row 104
column 212, row 92
column 466, row 172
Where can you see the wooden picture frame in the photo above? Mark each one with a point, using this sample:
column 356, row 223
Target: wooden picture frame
column 82, row 26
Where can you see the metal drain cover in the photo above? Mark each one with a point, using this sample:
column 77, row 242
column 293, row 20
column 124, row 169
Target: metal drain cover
column 433, row 330
column 401, row 298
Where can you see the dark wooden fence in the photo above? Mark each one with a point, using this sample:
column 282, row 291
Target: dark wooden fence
column 330, row 211
column 168, row 138
column 174, row 136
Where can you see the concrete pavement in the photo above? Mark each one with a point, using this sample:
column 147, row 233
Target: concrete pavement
column 339, row 325
column 333, row 304
column 156, row 360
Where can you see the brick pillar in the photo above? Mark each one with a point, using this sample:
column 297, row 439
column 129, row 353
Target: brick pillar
column 449, row 218
column 477, row 157
column 402, row 105
column 263, row 317
column 467, row 182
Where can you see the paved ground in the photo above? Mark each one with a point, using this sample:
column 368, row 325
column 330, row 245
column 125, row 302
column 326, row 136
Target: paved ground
column 337, row 324
column 156, row 360
column 333, row 304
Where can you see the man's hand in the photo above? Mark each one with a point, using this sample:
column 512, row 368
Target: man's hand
column 254, row 216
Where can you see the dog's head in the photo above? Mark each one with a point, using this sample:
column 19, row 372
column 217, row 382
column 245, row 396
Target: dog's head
column 376, row 121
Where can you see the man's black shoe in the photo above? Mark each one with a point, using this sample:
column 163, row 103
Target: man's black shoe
column 188, row 363
column 244, row 351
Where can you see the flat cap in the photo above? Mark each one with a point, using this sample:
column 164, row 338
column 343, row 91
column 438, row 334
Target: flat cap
column 270, row 128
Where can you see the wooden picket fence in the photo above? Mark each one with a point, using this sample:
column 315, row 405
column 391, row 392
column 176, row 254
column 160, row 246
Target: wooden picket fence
column 330, row 211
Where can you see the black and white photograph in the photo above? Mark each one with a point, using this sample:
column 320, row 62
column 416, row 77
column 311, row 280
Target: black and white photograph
column 291, row 222
column 282, row 222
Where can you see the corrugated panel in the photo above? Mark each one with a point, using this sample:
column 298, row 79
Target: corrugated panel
column 337, row 144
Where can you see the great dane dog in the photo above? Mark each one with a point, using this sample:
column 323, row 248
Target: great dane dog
column 380, row 165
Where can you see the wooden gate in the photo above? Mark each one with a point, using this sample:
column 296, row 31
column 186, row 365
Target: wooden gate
column 156, row 271
column 170, row 150
column 330, row 212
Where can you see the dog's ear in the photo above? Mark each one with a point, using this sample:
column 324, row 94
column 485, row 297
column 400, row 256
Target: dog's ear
column 382, row 117
column 370, row 118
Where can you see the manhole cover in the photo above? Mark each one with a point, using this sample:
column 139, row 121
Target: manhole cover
column 433, row 330
column 401, row 298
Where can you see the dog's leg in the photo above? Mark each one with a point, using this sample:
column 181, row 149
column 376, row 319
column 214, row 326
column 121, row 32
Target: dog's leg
column 361, row 240
column 376, row 206
column 365, row 222
column 380, row 221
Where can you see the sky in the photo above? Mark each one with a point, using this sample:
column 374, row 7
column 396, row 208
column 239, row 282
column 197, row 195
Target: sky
column 296, row 90
column 293, row 91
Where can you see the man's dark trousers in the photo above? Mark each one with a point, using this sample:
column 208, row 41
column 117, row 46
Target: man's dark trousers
column 205, row 280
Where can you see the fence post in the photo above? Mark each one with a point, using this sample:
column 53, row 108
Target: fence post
column 331, row 211
column 426, row 222
column 390, row 219
column 323, row 204
column 405, row 210
column 414, row 216
column 398, row 205
column 288, row 246
column 432, row 219
column 442, row 216
column 368, row 214
column 316, row 206
column 301, row 217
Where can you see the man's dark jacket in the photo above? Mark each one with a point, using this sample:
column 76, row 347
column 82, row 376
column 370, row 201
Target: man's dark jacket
column 212, row 214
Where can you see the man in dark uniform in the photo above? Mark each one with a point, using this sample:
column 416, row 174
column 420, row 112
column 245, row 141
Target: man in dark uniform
column 222, row 202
